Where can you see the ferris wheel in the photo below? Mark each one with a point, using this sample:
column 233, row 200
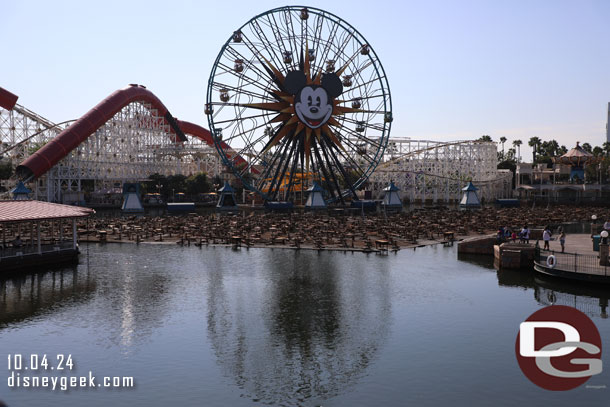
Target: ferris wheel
column 297, row 96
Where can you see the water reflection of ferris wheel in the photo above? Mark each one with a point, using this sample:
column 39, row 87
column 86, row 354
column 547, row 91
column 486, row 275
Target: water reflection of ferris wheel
column 301, row 334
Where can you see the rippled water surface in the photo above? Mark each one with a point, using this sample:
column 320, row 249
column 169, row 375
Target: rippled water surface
column 220, row 327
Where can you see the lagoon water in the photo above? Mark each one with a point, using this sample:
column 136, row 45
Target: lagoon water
column 222, row 327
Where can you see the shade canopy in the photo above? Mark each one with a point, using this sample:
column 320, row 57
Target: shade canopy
column 20, row 211
column 577, row 157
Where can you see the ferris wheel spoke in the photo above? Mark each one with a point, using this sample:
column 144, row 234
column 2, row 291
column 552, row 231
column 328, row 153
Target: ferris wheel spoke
column 358, row 71
column 287, row 160
column 327, row 174
column 264, row 63
column 245, row 78
column 340, row 51
column 359, row 147
column 292, row 37
column 299, row 153
column 278, row 174
column 367, row 83
column 277, row 33
column 241, row 91
column 243, row 133
column 251, row 65
column 355, row 134
column 267, row 45
column 372, row 126
column 327, row 47
column 346, row 158
column 332, row 173
column 269, row 166
column 244, row 117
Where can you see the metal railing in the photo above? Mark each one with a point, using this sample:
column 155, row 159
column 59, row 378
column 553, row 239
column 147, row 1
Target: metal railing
column 592, row 306
column 572, row 262
column 29, row 249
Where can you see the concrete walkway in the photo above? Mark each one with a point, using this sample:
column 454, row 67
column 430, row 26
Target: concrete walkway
column 575, row 243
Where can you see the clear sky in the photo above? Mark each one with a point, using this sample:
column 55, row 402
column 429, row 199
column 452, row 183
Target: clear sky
column 457, row 69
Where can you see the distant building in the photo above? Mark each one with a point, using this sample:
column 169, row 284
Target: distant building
column 608, row 125
column 563, row 181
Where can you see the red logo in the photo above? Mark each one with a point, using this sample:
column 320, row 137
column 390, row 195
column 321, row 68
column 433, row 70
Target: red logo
column 559, row 348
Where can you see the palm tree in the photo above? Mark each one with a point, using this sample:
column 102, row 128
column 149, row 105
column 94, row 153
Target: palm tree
column 517, row 144
column 502, row 140
column 534, row 143
column 485, row 137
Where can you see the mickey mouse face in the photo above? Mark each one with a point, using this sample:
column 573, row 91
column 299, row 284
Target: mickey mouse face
column 313, row 103
column 313, row 106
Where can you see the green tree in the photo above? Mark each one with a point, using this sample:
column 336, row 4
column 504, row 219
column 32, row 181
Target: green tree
column 167, row 185
column 549, row 148
column 509, row 163
column 485, row 137
column 517, row 144
column 176, row 183
column 6, row 169
column 606, row 147
column 33, row 147
column 534, row 143
column 587, row 147
column 197, row 183
column 502, row 141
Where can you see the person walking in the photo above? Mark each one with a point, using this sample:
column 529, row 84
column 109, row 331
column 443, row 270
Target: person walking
column 526, row 234
column 562, row 240
column 546, row 236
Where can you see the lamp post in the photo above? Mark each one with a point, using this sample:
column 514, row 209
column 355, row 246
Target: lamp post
column 593, row 224
column 603, row 249
column 159, row 186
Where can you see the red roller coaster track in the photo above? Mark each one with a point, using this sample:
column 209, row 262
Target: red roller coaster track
column 205, row 135
column 50, row 154
column 7, row 99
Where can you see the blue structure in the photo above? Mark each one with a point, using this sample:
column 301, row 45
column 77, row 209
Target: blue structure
column 391, row 199
column 131, row 198
column 279, row 206
column 21, row 192
column 180, row 207
column 315, row 200
column 470, row 198
column 365, row 205
column 508, row 203
column 226, row 200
